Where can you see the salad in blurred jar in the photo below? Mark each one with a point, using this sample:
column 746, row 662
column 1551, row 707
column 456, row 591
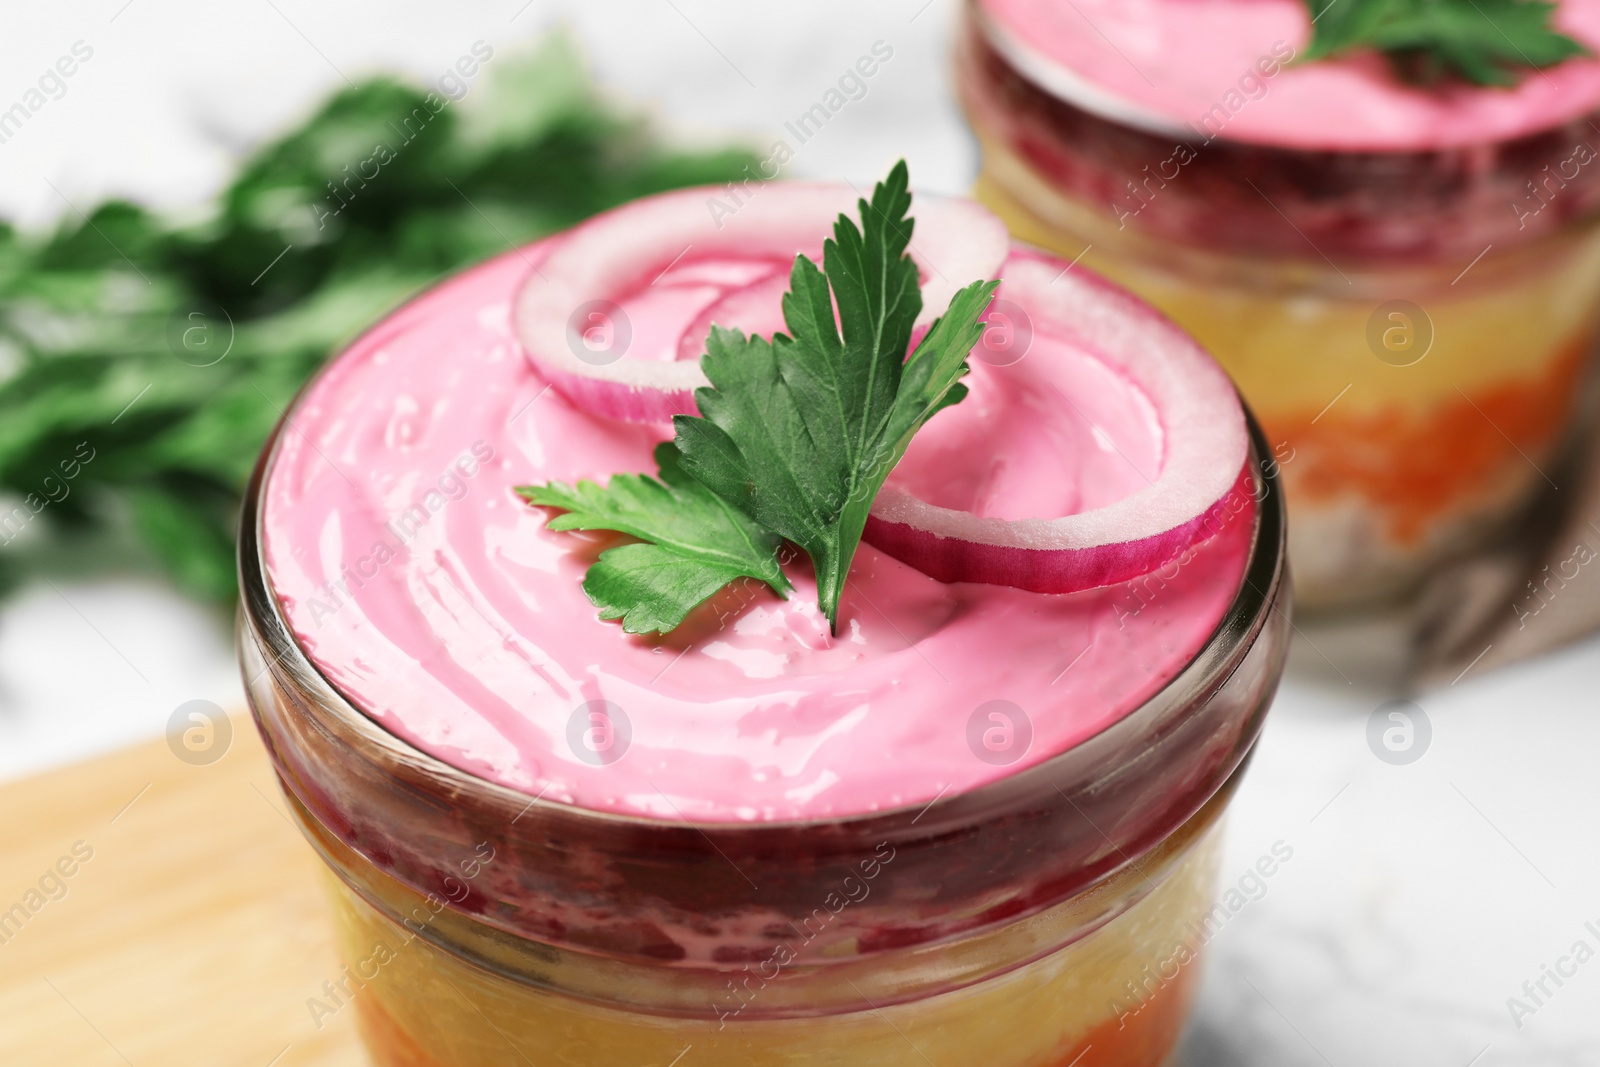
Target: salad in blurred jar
column 1378, row 214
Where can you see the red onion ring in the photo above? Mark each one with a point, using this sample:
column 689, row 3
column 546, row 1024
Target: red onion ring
column 1197, row 490
column 613, row 255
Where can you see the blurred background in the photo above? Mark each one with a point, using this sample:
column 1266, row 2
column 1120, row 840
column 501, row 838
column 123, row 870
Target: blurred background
column 181, row 169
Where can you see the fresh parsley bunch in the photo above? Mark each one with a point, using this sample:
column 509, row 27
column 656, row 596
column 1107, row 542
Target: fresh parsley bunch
column 290, row 265
column 796, row 433
column 1487, row 42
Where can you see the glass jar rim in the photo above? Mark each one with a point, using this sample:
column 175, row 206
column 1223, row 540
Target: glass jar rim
column 1127, row 787
column 264, row 614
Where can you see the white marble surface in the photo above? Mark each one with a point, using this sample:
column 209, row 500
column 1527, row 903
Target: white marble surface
column 1418, row 897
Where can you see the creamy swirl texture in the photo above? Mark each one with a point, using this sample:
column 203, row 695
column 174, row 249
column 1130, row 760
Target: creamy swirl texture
column 436, row 600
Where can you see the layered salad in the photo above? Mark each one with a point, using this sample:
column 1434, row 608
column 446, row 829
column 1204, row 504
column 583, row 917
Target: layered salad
column 837, row 507
column 1378, row 216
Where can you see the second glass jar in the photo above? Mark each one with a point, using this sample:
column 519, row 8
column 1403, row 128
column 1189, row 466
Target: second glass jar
column 1415, row 347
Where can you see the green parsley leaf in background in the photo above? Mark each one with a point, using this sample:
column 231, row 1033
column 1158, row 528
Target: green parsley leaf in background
column 694, row 543
column 1488, row 42
column 801, row 431
column 109, row 326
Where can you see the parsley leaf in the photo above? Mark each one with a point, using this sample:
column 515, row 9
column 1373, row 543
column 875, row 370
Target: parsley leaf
column 1483, row 41
column 1340, row 25
column 801, row 431
column 694, row 543
column 797, row 433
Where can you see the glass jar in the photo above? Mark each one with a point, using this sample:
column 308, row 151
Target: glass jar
column 1412, row 328
column 1051, row 917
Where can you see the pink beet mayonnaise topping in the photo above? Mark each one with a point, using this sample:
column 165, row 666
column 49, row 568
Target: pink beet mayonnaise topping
column 1167, row 64
column 461, row 626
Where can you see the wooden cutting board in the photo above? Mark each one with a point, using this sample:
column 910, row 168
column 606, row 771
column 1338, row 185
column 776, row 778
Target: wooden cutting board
column 190, row 929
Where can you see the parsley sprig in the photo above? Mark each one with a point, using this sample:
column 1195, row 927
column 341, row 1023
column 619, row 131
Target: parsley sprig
column 797, row 432
column 1488, row 42
column 112, row 326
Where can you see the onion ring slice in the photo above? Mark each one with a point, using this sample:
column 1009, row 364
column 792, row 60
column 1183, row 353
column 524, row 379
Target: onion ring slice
column 1196, row 491
column 600, row 263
